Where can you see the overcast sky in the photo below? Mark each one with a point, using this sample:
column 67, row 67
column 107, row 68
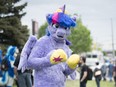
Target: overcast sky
column 96, row 15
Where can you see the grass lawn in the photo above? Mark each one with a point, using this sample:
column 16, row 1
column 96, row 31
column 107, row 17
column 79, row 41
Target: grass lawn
column 75, row 83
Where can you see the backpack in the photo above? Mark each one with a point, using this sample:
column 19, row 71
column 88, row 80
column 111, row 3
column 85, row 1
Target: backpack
column 4, row 64
column 89, row 73
column 97, row 72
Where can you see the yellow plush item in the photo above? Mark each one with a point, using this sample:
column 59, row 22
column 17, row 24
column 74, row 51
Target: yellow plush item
column 58, row 56
column 73, row 61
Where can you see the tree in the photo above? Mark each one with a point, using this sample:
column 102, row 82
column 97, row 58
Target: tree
column 42, row 30
column 80, row 37
column 12, row 32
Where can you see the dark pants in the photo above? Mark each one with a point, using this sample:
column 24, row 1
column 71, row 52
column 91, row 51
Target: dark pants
column 104, row 76
column 97, row 81
column 83, row 84
column 24, row 80
column 115, row 80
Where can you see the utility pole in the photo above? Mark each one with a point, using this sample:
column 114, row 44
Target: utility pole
column 113, row 51
column 34, row 27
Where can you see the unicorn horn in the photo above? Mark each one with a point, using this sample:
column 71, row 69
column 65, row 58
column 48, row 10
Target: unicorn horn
column 63, row 9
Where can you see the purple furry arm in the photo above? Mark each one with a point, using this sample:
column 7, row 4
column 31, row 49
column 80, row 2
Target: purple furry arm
column 71, row 72
column 40, row 56
column 68, row 70
column 73, row 75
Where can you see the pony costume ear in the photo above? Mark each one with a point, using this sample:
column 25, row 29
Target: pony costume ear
column 62, row 9
column 74, row 18
column 49, row 18
column 60, row 17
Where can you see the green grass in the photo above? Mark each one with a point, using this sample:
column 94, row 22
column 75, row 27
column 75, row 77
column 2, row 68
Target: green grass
column 75, row 83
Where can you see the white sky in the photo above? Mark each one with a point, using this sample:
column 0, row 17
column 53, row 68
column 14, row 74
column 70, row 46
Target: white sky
column 95, row 14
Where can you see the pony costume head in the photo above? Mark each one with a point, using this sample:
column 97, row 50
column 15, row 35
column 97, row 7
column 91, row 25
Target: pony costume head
column 7, row 65
column 10, row 53
column 60, row 23
column 60, row 17
column 11, row 50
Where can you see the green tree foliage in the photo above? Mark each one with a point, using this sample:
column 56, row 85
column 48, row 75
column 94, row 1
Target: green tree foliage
column 80, row 37
column 42, row 30
column 12, row 32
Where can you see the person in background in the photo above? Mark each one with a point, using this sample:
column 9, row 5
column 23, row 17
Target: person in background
column 0, row 56
column 114, row 74
column 0, row 67
column 7, row 67
column 23, row 79
column 104, row 70
column 0, row 61
column 110, row 71
column 83, row 74
column 97, row 74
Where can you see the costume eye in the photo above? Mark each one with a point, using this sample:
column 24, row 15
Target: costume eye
column 55, row 25
column 66, row 28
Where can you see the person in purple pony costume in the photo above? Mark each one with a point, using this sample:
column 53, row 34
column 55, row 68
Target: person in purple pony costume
column 50, row 56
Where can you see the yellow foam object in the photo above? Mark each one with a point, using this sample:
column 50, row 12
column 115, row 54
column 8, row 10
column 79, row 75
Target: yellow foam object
column 73, row 61
column 58, row 56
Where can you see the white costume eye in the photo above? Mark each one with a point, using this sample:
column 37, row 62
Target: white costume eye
column 55, row 25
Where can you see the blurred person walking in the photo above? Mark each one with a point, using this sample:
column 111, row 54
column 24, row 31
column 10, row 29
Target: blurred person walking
column 110, row 71
column 114, row 74
column 83, row 74
column 97, row 74
column 104, row 71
